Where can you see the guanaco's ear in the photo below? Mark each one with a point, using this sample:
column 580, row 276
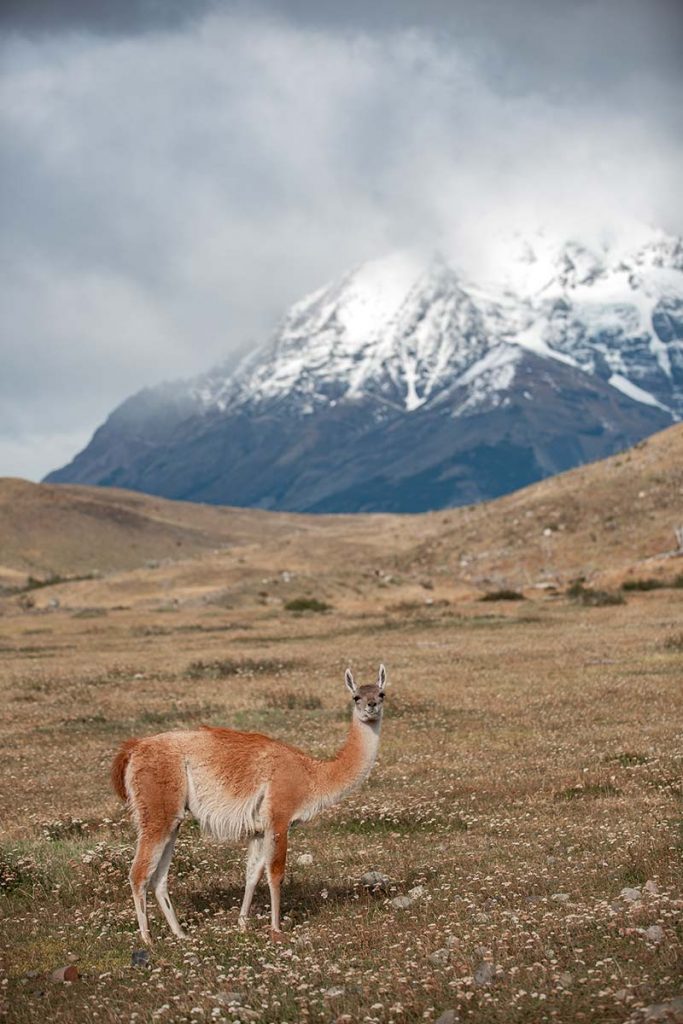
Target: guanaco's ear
column 382, row 678
column 349, row 680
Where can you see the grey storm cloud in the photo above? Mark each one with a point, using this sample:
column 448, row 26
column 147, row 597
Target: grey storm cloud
column 174, row 174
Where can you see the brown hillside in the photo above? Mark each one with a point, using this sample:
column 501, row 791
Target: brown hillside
column 611, row 517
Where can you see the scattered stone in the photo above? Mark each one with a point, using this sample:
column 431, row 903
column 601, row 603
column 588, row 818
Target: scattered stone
column 447, row 1017
column 304, row 858
column 669, row 1012
column 439, row 957
column 140, row 958
column 401, row 902
column 416, row 892
column 228, row 998
column 452, row 941
column 333, row 993
column 375, row 880
column 651, row 887
column 621, row 995
column 68, row 973
column 561, row 897
column 484, row 974
column 655, row 933
column 566, row 980
column 630, row 895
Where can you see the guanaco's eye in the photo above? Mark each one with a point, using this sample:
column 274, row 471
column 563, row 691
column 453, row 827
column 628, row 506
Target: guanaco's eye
column 356, row 699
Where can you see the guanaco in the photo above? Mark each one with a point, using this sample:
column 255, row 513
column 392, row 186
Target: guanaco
column 237, row 785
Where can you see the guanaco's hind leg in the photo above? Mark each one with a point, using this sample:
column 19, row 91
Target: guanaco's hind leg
column 276, row 871
column 147, row 856
column 256, row 861
column 160, row 885
column 156, row 786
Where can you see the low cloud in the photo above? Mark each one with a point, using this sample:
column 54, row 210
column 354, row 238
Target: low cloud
column 168, row 192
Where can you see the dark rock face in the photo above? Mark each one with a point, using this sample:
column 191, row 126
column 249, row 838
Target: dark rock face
column 401, row 388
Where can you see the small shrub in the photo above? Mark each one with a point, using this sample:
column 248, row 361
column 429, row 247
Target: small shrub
column 647, row 583
column 15, row 871
column 226, row 667
column 592, row 790
column 502, row 595
column 307, row 604
column 674, row 642
column 677, row 582
column 628, row 760
column 593, row 598
column 63, row 828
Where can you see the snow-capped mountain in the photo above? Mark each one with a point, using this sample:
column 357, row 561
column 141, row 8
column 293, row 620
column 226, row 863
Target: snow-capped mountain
column 412, row 384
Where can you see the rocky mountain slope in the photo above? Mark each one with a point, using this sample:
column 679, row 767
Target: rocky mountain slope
column 411, row 385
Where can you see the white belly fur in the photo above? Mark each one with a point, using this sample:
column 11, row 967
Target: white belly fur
column 219, row 812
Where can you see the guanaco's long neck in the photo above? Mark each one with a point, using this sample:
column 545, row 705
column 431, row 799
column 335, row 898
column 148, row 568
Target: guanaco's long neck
column 352, row 762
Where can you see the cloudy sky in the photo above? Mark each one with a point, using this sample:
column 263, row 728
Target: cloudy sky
column 175, row 174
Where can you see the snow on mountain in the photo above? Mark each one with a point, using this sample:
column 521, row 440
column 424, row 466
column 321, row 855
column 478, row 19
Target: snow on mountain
column 413, row 383
column 403, row 330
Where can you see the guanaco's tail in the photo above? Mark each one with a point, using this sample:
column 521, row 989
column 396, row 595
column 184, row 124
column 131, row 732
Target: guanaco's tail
column 119, row 765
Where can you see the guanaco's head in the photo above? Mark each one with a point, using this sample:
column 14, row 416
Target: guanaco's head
column 368, row 700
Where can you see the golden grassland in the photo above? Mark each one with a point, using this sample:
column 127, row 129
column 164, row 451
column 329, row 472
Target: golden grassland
column 529, row 770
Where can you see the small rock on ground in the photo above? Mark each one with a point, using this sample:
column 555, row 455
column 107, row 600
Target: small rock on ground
column 484, row 974
column 401, row 902
column 228, row 998
column 439, row 957
column 416, row 892
column 447, row 1017
column 655, row 933
column 630, row 895
column 651, row 887
column 305, row 858
column 375, row 880
column 668, row 1012
column 560, row 897
column 140, row 958
column 333, row 993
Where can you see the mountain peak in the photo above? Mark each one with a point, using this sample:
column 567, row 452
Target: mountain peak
column 558, row 352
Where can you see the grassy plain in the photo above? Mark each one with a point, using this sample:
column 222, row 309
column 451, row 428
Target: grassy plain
column 530, row 770
column 529, row 773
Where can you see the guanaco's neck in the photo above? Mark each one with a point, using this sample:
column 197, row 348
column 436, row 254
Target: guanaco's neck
column 352, row 762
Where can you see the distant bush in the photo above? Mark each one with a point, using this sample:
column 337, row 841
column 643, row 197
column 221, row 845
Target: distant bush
column 647, row 583
column 502, row 595
column 307, row 604
column 678, row 582
column 36, row 582
column 593, row 598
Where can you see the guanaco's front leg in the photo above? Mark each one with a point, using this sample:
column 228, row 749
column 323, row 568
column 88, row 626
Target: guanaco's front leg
column 276, row 871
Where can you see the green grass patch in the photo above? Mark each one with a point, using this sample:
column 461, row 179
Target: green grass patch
column 404, row 824
column 307, row 604
column 647, row 583
column 590, row 598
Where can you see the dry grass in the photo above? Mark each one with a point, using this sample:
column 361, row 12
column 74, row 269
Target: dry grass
column 530, row 767
column 529, row 771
